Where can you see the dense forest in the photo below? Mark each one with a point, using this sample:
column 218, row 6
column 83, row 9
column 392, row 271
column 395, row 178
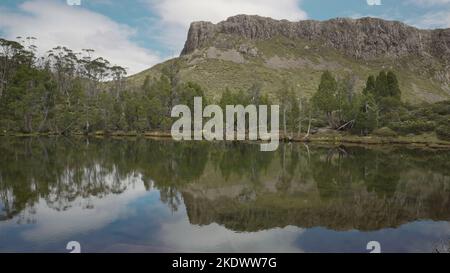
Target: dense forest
column 66, row 92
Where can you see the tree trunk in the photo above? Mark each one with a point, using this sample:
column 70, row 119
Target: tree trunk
column 44, row 121
column 309, row 125
column 299, row 128
column 28, row 123
column 284, row 122
column 300, row 105
column 330, row 119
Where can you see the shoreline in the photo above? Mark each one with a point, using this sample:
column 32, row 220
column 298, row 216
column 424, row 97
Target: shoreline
column 424, row 140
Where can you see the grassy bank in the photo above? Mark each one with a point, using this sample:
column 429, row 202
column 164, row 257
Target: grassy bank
column 424, row 140
column 335, row 138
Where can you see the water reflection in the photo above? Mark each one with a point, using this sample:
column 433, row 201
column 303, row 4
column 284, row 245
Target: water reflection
column 144, row 195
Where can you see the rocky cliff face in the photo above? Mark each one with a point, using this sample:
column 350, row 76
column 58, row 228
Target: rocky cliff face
column 365, row 38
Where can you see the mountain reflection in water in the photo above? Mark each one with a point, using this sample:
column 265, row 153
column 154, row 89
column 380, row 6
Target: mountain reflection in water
column 162, row 196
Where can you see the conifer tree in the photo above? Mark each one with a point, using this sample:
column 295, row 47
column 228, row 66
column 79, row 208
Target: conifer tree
column 325, row 97
column 381, row 85
column 370, row 86
column 393, row 86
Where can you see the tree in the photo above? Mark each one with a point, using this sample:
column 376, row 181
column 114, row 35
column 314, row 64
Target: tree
column 293, row 111
column 344, row 98
column 393, row 86
column 228, row 98
column 385, row 85
column 381, row 85
column 186, row 92
column 159, row 97
column 118, row 74
column 60, row 92
column 63, row 62
column 288, row 103
column 134, row 111
column 29, row 99
column 367, row 115
column 325, row 97
column 9, row 61
column 305, row 113
column 370, row 86
column 255, row 93
column 13, row 56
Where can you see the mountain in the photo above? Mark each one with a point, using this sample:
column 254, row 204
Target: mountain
column 244, row 50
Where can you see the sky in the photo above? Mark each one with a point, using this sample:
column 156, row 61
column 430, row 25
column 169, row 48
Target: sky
column 138, row 34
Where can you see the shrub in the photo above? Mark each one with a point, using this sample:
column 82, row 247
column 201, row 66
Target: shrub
column 318, row 123
column 443, row 132
column 385, row 132
column 441, row 108
column 166, row 123
column 413, row 126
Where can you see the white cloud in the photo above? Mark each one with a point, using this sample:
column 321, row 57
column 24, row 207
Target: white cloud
column 184, row 237
column 438, row 15
column 374, row 2
column 55, row 23
column 429, row 2
column 183, row 12
column 439, row 19
column 176, row 15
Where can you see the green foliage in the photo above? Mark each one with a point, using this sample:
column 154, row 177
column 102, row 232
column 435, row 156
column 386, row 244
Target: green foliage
column 420, row 119
column 186, row 92
column 289, row 107
column 348, row 101
column 443, row 129
column 381, row 86
column 413, row 126
column 337, row 99
column 28, row 99
column 441, row 108
column 367, row 116
column 325, row 97
column 443, row 132
column 393, row 86
column 134, row 112
column 385, row 85
column 370, row 86
column 64, row 93
column 380, row 105
column 385, row 132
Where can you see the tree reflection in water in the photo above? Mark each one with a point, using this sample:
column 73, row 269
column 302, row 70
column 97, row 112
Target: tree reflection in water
column 232, row 184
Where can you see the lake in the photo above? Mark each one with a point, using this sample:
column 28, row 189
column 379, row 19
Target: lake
column 141, row 195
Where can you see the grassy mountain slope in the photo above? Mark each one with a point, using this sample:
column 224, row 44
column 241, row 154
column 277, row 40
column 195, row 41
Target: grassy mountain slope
column 231, row 60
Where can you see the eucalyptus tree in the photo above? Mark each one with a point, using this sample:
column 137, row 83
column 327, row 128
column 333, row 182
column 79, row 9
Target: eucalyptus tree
column 118, row 75
column 64, row 65
column 289, row 107
column 11, row 57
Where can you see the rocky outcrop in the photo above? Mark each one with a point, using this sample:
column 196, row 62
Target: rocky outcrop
column 364, row 38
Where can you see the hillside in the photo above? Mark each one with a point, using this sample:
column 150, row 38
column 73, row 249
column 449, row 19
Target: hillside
column 243, row 50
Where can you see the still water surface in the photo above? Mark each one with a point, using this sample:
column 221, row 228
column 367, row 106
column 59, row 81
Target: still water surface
column 162, row 196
